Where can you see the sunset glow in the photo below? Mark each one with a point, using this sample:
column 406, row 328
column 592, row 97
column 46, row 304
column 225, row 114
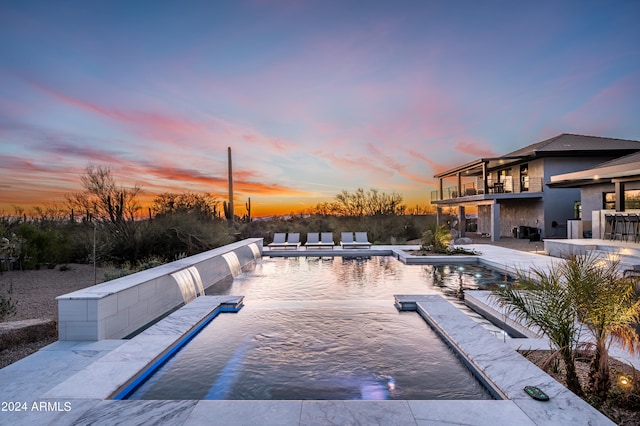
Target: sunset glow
column 313, row 97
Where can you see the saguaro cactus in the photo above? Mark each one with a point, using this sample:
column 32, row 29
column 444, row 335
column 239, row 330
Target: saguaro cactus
column 229, row 215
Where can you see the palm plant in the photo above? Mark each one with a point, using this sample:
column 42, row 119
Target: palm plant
column 436, row 238
column 608, row 306
column 541, row 300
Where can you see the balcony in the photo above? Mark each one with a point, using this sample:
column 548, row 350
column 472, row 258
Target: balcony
column 471, row 191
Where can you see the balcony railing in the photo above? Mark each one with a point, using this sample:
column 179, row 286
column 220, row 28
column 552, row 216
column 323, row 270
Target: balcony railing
column 506, row 185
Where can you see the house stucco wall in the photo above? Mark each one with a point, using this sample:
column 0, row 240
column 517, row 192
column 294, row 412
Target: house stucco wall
column 484, row 219
column 559, row 202
column 515, row 213
column 592, row 196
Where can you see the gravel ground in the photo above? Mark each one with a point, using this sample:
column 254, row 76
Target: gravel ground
column 34, row 292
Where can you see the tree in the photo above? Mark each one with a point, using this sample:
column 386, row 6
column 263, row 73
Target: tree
column 608, row 306
column 204, row 206
column 367, row 203
column 542, row 300
column 583, row 290
column 113, row 205
column 104, row 198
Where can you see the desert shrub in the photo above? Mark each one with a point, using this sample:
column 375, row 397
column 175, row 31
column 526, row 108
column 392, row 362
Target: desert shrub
column 150, row 262
column 170, row 235
column 48, row 246
column 7, row 307
column 127, row 268
column 381, row 229
column 123, row 270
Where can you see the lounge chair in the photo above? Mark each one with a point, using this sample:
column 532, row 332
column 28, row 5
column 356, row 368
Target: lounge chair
column 346, row 241
column 313, row 240
column 278, row 240
column 327, row 240
column 293, row 240
column 362, row 240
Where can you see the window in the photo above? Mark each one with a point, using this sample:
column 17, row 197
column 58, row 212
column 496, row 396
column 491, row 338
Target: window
column 524, row 177
column 631, row 200
column 609, row 200
column 502, row 174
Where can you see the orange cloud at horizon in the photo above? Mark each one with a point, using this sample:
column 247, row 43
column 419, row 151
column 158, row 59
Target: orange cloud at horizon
column 266, row 200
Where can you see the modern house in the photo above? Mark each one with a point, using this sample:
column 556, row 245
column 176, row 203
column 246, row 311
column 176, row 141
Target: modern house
column 511, row 192
column 608, row 188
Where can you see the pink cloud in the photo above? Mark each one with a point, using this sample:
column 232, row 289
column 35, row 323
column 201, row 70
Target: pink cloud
column 176, row 129
column 477, row 148
column 433, row 165
column 349, row 164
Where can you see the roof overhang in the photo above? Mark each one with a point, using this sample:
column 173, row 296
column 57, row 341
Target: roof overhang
column 475, row 167
column 597, row 175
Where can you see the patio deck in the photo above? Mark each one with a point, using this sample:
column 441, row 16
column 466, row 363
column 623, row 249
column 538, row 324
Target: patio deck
column 71, row 382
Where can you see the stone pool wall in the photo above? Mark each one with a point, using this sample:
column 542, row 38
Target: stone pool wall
column 117, row 308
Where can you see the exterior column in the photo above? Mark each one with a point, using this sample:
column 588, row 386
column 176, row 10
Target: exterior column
column 495, row 222
column 619, row 196
column 462, row 222
column 597, row 224
column 438, row 216
column 485, row 175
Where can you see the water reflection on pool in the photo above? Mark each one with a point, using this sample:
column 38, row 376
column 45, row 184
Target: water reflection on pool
column 321, row 329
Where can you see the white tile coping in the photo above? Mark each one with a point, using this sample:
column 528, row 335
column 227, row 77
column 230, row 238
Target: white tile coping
column 500, row 367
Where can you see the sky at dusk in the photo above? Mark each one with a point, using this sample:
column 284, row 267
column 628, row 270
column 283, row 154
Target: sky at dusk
column 313, row 97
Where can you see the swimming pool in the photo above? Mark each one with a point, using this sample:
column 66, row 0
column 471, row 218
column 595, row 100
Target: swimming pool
column 321, row 329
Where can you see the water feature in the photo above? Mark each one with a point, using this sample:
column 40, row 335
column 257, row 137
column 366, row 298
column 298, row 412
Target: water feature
column 234, row 263
column 318, row 329
column 255, row 250
column 190, row 283
column 185, row 283
column 196, row 279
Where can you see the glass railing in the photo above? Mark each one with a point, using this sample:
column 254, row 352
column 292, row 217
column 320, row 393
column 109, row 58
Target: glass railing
column 494, row 186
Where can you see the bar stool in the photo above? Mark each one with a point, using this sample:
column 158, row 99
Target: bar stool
column 633, row 227
column 619, row 227
column 608, row 226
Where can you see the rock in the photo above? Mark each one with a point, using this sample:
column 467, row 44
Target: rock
column 463, row 241
column 16, row 332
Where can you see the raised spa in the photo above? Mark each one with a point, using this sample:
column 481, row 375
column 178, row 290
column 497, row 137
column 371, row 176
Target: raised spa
column 322, row 329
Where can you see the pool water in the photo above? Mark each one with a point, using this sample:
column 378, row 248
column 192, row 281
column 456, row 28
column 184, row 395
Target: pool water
column 320, row 329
